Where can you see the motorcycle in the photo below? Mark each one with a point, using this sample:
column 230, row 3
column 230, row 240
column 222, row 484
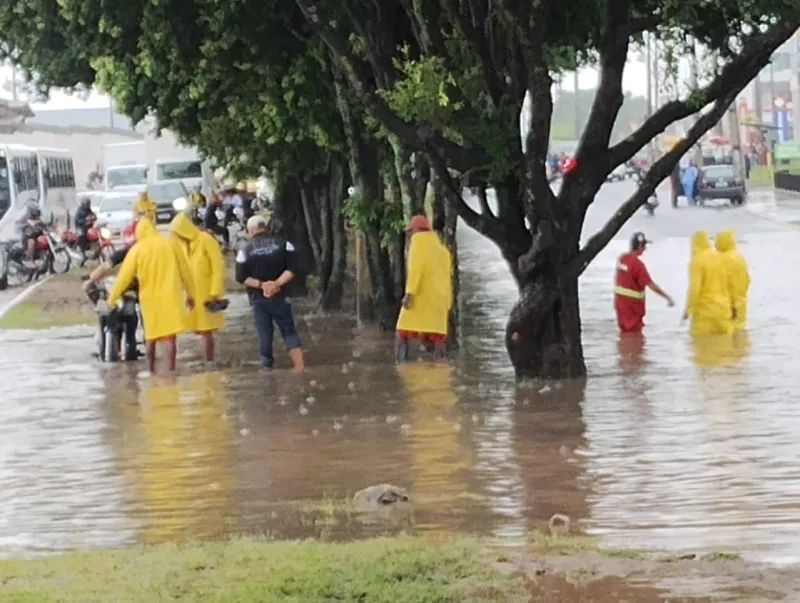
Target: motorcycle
column 100, row 246
column 116, row 327
column 651, row 204
column 50, row 257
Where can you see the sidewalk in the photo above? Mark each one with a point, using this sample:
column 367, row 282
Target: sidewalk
column 778, row 206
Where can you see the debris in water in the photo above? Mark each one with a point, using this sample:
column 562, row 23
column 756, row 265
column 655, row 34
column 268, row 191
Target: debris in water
column 564, row 450
column 345, row 369
column 546, row 389
column 312, row 383
column 337, row 427
column 476, row 419
column 311, row 399
column 405, row 429
column 303, row 410
column 559, row 524
column 439, row 419
column 244, row 432
column 457, row 427
column 351, row 386
column 315, row 432
column 356, row 353
column 391, row 419
column 381, row 495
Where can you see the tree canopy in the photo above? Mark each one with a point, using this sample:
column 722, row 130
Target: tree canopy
column 284, row 86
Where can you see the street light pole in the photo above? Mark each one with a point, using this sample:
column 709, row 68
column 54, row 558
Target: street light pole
column 794, row 83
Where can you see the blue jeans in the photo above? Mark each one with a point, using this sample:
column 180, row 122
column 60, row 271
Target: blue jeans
column 269, row 313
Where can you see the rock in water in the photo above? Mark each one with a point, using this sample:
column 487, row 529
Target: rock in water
column 382, row 495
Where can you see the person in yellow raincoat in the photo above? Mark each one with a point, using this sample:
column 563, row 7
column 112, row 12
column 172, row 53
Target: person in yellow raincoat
column 208, row 271
column 738, row 275
column 429, row 290
column 709, row 302
column 166, row 288
column 145, row 207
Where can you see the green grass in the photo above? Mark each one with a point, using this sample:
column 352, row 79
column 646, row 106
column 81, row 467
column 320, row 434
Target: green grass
column 30, row 315
column 396, row 570
column 760, row 176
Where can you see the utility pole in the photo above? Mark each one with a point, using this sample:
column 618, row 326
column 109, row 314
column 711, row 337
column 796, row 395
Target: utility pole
column 576, row 85
column 649, row 70
column 794, row 83
column 14, row 91
column 736, row 141
column 694, row 84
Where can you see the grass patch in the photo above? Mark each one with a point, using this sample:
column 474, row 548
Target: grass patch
column 60, row 302
column 721, row 556
column 760, row 176
column 403, row 569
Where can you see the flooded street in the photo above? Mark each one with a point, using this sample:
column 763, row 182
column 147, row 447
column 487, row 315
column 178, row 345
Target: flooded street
column 670, row 445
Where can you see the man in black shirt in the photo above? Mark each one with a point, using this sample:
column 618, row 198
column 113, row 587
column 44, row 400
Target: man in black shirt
column 211, row 221
column 265, row 266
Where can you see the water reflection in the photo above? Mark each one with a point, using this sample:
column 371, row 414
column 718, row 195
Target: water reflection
column 184, row 459
column 441, row 459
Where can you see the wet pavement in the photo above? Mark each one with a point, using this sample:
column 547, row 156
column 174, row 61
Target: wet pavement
column 670, row 445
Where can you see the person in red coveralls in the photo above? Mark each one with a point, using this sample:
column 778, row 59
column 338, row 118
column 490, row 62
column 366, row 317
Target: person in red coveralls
column 629, row 288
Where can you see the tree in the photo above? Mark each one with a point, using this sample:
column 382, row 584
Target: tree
column 455, row 92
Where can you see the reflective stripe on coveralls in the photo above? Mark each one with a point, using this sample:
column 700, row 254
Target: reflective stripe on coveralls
column 624, row 292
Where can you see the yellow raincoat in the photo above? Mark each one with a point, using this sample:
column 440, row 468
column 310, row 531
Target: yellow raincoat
column 145, row 207
column 709, row 301
column 429, row 283
column 738, row 275
column 164, row 281
column 208, row 271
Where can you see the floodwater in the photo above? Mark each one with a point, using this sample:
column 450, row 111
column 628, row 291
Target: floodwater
column 669, row 445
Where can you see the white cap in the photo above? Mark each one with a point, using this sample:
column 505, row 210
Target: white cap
column 257, row 222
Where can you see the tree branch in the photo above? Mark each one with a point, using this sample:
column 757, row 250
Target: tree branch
column 485, row 224
column 477, row 40
column 530, row 35
column 458, row 157
column 754, row 56
column 660, row 170
column 607, row 100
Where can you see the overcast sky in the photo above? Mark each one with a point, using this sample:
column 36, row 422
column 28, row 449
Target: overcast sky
column 635, row 82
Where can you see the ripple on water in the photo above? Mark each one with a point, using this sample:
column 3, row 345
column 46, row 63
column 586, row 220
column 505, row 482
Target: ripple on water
column 669, row 445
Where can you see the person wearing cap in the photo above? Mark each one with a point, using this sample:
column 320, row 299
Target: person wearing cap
column 631, row 281
column 429, row 290
column 265, row 266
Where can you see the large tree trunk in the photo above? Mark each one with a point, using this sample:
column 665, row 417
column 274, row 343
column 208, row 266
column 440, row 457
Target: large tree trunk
column 543, row 335
column 337, row 244
column 288, row 222
column 445, row 221
column 413, row 204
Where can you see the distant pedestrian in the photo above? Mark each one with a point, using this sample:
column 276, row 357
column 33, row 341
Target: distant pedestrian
column 631, row 281
column 429, row 291
column 265, row 266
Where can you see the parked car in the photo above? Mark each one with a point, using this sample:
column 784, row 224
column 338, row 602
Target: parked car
column 720, row 182
column 164, row 193
column 115, row 210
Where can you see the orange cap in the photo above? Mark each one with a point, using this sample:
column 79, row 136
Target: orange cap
column 418, row 223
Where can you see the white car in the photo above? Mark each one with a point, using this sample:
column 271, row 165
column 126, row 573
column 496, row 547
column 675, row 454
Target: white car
column 116, row 210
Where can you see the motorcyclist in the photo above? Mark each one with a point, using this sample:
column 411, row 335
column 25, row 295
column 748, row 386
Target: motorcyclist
column 30, row 227
column 85, row 219
column 197, row 198
column 211, row 221
column 108, row 266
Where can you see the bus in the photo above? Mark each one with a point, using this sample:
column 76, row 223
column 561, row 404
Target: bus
column 192, row 172
column 57, row 192
column 19, row 184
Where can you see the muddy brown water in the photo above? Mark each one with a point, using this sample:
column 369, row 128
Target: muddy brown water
column 671, row 444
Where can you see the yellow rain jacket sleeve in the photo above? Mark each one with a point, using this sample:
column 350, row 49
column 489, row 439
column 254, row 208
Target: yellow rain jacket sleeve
column 207, row 267
column 708, row 301
column 738, row 275
column 164, row 282
column 429, row 283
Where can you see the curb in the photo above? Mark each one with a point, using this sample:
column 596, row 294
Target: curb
column 23, row 295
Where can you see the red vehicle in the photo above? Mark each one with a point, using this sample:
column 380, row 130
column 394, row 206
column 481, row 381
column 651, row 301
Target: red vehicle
column 100, row 246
